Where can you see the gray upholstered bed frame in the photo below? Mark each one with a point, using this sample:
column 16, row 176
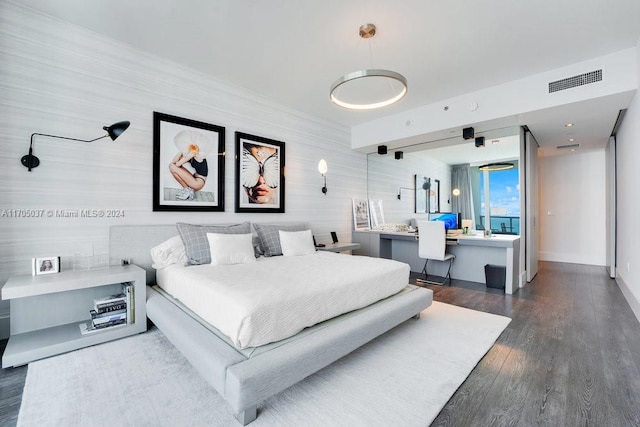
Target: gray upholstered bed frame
column 242, row 381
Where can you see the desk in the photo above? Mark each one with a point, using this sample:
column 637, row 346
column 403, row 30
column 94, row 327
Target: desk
column 339, row 247
column 472, row 251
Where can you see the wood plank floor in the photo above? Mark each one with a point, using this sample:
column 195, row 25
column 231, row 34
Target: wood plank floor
column 569, row 357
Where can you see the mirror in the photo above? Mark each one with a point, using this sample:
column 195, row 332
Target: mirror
column 397, row 182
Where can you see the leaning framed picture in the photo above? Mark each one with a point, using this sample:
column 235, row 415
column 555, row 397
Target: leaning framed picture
column 376, row 213
column 360, row 214
column 259, row 174
column 188, row 164
column 45, row 265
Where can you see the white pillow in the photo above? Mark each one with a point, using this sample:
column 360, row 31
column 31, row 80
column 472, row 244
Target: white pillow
column 168, row 252
column 296, row 243
column 231, row 248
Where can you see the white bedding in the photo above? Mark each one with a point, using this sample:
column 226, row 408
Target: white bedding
column 276, row 297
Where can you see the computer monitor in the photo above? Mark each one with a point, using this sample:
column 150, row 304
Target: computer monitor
column 450, row 219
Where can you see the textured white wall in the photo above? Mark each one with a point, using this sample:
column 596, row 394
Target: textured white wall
column 59, row 79
column 572, row 220
column 628, row 203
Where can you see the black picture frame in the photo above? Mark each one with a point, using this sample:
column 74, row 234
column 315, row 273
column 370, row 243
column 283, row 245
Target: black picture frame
column 434, row 196
column 427, row 191
column 174, row 136
column 260, row 162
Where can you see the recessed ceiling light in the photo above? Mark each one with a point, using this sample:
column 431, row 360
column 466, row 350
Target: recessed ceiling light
column 571, row 139
column 495, row 141
column 568, row 125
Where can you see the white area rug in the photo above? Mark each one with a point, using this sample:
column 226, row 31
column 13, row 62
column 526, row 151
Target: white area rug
column 404, row 377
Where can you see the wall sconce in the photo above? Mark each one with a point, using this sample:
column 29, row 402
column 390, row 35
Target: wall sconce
column 455, row 192
column 115, row 130
column 322, row 168
column 403, row 188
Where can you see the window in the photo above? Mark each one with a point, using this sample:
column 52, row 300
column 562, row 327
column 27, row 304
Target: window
column 504, row 200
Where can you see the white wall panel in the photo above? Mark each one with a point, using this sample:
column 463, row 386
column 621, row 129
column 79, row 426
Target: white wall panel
column 628, row 203
column 572, row 208
column 60, row 79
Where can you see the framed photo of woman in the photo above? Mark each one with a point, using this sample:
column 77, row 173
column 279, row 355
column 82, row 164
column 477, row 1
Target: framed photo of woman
column 188, row 164
column 259, row 174
column 45, row 265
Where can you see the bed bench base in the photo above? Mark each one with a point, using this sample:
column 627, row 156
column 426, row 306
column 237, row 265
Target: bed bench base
column 248, row 415
column 242, row 382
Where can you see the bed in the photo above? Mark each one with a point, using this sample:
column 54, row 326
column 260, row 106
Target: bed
column 243, row 369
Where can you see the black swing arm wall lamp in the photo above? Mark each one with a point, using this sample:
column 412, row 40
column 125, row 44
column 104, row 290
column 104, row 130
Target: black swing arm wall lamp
column 115, row 130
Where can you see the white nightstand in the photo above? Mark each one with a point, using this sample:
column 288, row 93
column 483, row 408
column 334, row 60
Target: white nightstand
column 340, row 247
column 46, row 311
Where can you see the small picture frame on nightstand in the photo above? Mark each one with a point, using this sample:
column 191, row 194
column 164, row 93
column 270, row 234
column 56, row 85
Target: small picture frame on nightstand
column 45, row 265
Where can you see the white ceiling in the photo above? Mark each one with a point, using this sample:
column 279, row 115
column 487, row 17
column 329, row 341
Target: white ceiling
column 291, row 51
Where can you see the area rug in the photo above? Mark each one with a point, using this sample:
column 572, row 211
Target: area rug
column 403, row 377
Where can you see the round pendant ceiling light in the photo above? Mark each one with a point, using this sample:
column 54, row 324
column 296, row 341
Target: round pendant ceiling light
column 368, row 89
column 492, row 167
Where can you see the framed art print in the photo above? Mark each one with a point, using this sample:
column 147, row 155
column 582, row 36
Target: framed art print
column 45, row 265
column 360, row 214
column 188, row 164
column 376, row 213
column 259, row 174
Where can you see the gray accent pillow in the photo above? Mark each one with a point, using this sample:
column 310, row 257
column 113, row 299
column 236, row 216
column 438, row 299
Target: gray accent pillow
column 270, row 238
column 195, row 240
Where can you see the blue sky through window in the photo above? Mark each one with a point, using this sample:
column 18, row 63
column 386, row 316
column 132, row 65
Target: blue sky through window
column 504, row 192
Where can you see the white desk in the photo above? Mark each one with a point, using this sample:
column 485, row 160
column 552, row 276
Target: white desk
column 472, row 253
column 339, row 247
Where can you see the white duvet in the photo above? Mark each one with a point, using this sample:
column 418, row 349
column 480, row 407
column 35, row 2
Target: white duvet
column 274, row 298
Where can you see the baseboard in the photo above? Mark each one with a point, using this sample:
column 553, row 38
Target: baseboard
column 571, row 258
column 4, row 327
column 628, row 295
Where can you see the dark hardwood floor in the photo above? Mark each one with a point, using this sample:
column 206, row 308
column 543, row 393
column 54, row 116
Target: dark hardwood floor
column 11, row 385
column 569, row 357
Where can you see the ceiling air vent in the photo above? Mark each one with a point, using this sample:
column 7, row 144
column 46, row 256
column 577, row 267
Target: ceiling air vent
column 565, row 147
column 575, row 81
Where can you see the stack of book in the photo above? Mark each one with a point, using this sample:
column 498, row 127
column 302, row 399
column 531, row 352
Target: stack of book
column 112, row 310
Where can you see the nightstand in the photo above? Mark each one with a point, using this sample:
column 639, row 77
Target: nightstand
column 46, row 311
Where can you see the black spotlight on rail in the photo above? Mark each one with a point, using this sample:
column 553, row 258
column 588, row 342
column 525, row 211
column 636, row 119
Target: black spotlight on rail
column 467, row 133
column 480, row 141
column 399, row 155
column 115, row 130
column 382, row 149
